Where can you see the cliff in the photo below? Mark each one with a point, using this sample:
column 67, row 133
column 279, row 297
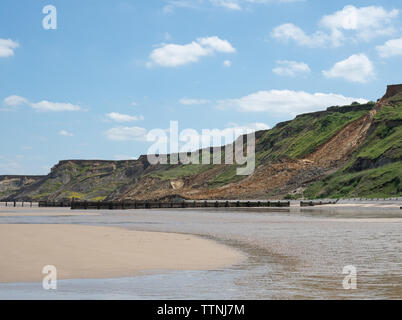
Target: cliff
column 349, row 151
column 12, row 184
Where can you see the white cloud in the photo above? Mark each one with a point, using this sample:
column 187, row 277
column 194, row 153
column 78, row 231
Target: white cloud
column 119, row 117
column 189, row 4
column 187, row 101
column 249, row 127
column 65, row 133
column 174, row 55
column 291, row 68
column 349, row 24
column 231, row 5
column 121, row 157
column 289, row 31
column 287, row 102
column 228, row 4
column 227, row 63
column 14, row 101
column 43, row 106
column 216, row 44
column 127, row 134
column 390, row 48
column 356, row 68
column 367, row 22
column 7, row 47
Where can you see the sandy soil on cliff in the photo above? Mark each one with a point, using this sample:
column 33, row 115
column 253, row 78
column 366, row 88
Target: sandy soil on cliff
column 86, row 252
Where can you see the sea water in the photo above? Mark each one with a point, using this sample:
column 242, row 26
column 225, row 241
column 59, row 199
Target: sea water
column 291, row 254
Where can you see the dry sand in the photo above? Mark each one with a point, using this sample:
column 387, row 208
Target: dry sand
column 86, row 252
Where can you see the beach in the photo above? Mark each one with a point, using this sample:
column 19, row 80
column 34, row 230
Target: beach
column 35, row 212
column 294, row 253
column 90, row 252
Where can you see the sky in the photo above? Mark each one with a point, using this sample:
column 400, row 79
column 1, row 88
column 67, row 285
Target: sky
column 89, row 79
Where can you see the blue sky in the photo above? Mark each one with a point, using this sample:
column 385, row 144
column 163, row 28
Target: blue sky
column 113, row 70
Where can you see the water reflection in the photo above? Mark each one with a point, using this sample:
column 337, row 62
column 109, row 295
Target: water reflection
column 292, row 254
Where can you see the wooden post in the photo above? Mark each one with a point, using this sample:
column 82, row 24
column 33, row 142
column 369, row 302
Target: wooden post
column 15, row 204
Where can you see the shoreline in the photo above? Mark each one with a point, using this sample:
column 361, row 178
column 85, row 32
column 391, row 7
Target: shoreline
column 91, row 252
column 279, row 247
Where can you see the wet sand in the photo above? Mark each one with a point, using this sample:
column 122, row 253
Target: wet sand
column 297, row 253
column 91, row 252
column 41, row 212
column 363, row 205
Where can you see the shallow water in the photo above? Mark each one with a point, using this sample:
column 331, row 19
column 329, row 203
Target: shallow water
column 292, row 254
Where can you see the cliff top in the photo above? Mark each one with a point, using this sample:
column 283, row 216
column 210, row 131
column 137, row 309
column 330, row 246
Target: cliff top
column 392, row 90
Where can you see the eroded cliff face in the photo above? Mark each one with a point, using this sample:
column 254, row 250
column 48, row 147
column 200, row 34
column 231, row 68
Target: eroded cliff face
column 392, row 91
column 11, row 184
column 322, row 154
column 84, row 179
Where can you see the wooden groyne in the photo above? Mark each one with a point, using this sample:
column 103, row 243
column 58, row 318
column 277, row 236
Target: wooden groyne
column 54, row 204
column 22, row 204
column 316, row 203
column 124, row 205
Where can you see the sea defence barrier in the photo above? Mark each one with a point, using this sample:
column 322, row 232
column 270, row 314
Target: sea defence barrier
column 316, row 203
column 124, row 205
column 15, row 204
column 54, row 204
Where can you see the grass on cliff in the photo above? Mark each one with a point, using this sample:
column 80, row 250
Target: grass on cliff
column 180, row 171
column 386, row 140
column 294, row 139
column 385, row 181
column 381, row 182
column 303, row 135
column 228, row 175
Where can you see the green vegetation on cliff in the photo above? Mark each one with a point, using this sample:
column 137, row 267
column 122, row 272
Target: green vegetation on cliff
column 382, row 182
column 375, row 170
column 297, row 138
